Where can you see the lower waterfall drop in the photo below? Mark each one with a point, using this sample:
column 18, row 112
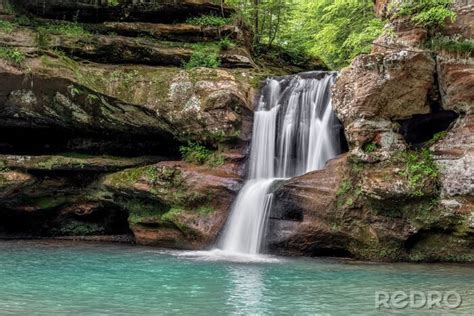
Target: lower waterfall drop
column 295, row 131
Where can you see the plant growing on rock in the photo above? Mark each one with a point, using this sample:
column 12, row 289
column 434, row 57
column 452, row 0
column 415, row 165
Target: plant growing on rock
column 203, row 57
column 196, row 153
column 209, row 20
column 6, row 26
column 461, row 46
column 420, row 170
column 226, row 44
column 427, row 13
column 12, row 55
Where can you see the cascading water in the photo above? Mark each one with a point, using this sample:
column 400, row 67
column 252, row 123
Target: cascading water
column 295, row 131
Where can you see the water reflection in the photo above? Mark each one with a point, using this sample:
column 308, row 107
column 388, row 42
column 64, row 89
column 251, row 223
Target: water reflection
column 247, row 289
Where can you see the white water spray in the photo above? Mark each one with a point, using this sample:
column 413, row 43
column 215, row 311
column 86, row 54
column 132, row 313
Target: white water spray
column 294, row 132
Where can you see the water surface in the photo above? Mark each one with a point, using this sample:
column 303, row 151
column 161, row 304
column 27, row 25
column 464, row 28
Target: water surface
column 45, row 278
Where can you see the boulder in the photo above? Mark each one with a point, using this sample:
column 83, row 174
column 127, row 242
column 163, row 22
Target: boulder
column 370, row 212
column 128, row 50
column 392, row 86
column 176, row 204
column 376, row 91
column 456, row 82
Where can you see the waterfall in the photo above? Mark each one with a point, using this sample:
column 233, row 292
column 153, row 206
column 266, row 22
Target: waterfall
column 295, row 131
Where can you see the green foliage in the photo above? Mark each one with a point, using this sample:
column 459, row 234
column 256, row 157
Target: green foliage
column 77, row 228
column 196, row 153
column 71, row 29
column 6, row 26
column 203, row 56
column 340, row 30
column 205, row 210
column 453, row 45
column 12, row 55
column 171, row 215
column 25, row 21
column 209, row 20
column 267, row 18
column 436, row 138
column 369, row 147
column 215, row 160
column 226, row 44
column 420, row 169
column 427, row 13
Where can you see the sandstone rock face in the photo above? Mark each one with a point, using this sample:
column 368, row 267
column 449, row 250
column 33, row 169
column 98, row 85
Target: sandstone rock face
column 374, row 214
column 390, row 86
column 406, row 190
column 462, row 25
column 378, row 89
column 298, row 220
column 155, row 10
column 455, row 156
column 79, row 109
column 175, row 204
column 456, row 79
column 177, row 32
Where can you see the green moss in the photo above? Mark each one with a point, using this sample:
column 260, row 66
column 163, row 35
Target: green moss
column 77, row 228
column 345, row 187
column 370, row 248
column 441, row 247
column 172, row 214
column 127, row 177
column 70, row 29
column 206, row 210
column 142, row 211
column 47, row 202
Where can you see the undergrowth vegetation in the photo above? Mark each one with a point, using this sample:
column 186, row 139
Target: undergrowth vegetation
column 456, row 45
column 204, row 56
column 209, row 20
column 196, row 153
column 420, row 169
column 12, row 55
column 428, row 13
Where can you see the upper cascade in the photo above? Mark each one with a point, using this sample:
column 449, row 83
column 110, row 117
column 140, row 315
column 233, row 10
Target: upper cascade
column 295, row 131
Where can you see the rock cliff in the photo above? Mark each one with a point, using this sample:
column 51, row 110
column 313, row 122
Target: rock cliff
column 404, row 191
column 98, row 105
